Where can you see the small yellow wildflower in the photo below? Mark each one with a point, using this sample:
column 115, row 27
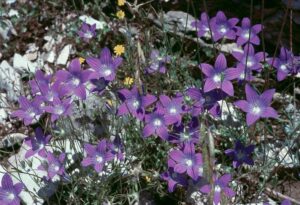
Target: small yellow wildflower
column 119, row 50
column 81, row 60
column 128, row 81
column 148, row 179
column 121, row 2
column 109, row 102
column 120, row 14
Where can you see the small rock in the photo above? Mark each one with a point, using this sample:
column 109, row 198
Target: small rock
column 32, row 52
column 23, row 64
column 90, row 20
column 12, row 139
column 64, row 55
column 13, row 12
column 10, row 1
column 49, row 57
column 181, row 19
column 7, row 29
column 3, row 116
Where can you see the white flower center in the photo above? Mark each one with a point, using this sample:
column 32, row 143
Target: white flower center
column 56, row 168
column 31, row 114
column 88, row 34
column 217, row 188
column 217, row 78
column 189, row 162
column 185, row 136
column 157, row 122
column 10, row 196
column 173, row 110
column 155, row 66
column 283, row 67
column 107, row 72
column 246, row 34
column 200, row 171
column 256, row 110
column 59, row 110
column 75, row 81
column 135, row 103
column 99, row 159
column 223, row 29
column 242, row 76
column 249, row 63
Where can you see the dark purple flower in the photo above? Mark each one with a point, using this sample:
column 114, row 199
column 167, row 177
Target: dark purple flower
column 172, row 108
column 257, row 106
column 30, row 111
column 186, row 134
column 59, row 108
column 9, row 192
column 87, row 32
column 187, row 161
column 37, row 143
column 249, row 59
column 117, row 147
column 241, row 154
column 106, row 66
column 156, row 125
column 134, row 103
column 53, row 166
column 40, row 79
column 97, row 156
column 74, row 79
column 202, row 25
column 173, row 179
column 219, row 76
column 220, row 185
column 99, row 85
column 157, row 62
column 223, row 28
column 247, row 33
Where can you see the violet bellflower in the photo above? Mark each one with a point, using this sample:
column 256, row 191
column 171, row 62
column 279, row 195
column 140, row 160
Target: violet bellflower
column 105, row 66
column 157, row 62
column 54, row 166
column 49, row 92
column 134, row 103
column 247, row 33
column 30, row 111
column 59, row 108
column 40, row 79
column 257, row 106
column 249, row 59
column 223, row 28
column 172, row 108
column 87, row 32
column 220, row 186
column 156, row 124
column 241, row 154
column 9, row 192
column 187, row 161
column 219, row 76
column 117, row 147
column 74, row 79
column 97, row 156
column 202, row 25
column 37, row 143
column 173, row 179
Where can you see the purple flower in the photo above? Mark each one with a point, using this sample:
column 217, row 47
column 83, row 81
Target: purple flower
column 172, row 109
column 186, row 134
column 117, row 148
column 202, row 25
column 59, row 108
column 286, row 64
column 249, row 59
column 221, row 27
column 99, row 85
column 245, row 74
column 87, row 32
column 220, row 185
column 39, row 80
column 97, row 156
column 105, row 66
column 29, row 111
column 134, row 103
column 156, row 124
column 9, row 192
column 53, row 166
column 157, row 62
column 37, row 143
column 286, row 202
column 173, row 179
column 48, row 93
column 246, row 33
column 187, row 161
column 74, row 79
column 257, row 106
column 218, row 77
column 241, row 154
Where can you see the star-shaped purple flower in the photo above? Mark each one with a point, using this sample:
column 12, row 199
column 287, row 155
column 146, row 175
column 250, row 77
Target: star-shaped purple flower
column 74, row 79
column 30, row 111
column 173, row 179
column 37, row 143
column 87, row 32
column 257, row 106
column 249, row 59
column 202, row 25
column 106, row 66
column 40, row 79
column 247, row 33
column 134, row 103
column 220, row 185
column 241, row 154
column 9, row 192
column 187, row 160
column 172, row 108
column 59, row 108
column 53, row 166
column 219, row 76
column 157, row 62
column 97, row 156
column 223, row 28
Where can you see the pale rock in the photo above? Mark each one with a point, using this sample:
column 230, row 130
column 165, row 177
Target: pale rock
column 10, row 1
column 3, row 116
column 23, row 64
column 90, row 20
column 13, row 12
column 64, row 55
column 6, row 29
column 49, row 57
column 12, row 139
column 32, row 52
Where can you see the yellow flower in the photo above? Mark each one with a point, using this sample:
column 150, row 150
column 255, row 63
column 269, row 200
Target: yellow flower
column 109, row 102
column 148, row 179
column 81, row 60
column 120, row 14
column 121, row 2
column 119, row 50
column 128, row 81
